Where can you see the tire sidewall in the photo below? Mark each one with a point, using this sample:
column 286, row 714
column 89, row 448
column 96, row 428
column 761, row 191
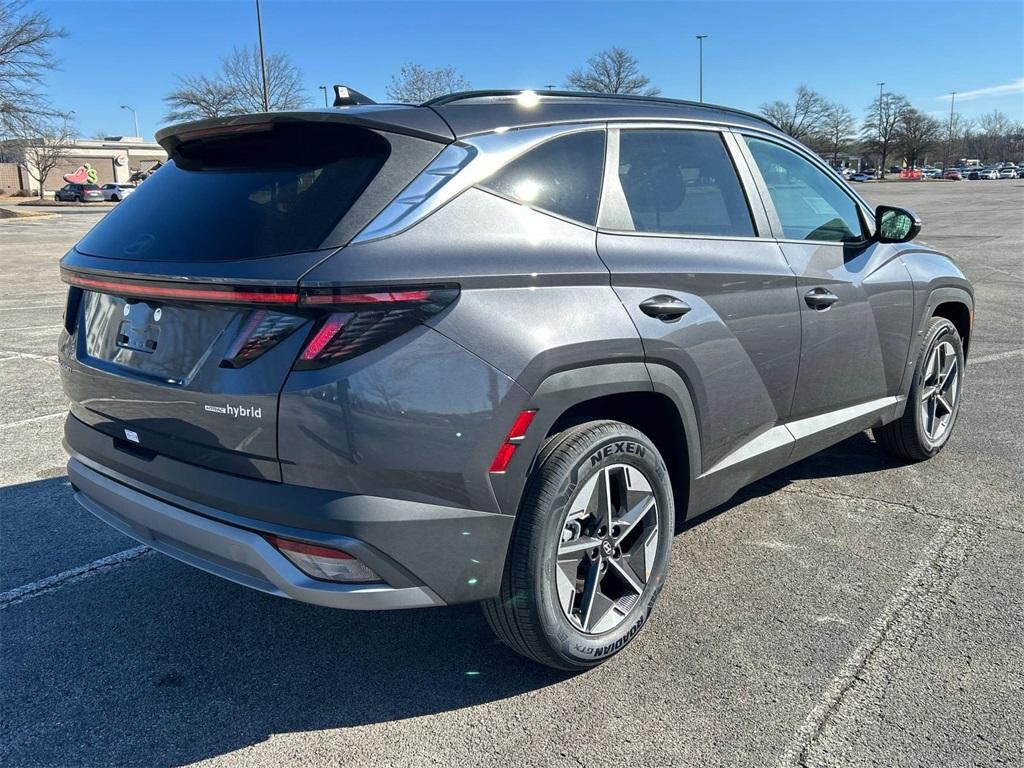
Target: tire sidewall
column 621, row 447
column 939, row 332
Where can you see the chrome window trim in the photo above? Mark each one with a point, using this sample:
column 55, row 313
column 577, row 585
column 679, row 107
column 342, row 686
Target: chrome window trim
column 458, row 167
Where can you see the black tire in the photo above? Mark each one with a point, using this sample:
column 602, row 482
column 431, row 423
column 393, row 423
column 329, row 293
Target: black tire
column 907, row 436
column 527, row 615
column 115, row 199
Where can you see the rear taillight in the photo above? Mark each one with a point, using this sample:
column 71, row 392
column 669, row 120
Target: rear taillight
column 323, row 563
column 202, row 293
column 364, row 319
column 262, row 329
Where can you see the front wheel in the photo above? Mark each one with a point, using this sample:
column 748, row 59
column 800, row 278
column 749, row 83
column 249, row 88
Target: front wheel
column 934, row 399
column 590, row 548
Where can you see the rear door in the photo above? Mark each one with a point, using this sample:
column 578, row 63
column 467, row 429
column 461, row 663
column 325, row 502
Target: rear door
column 183, row 320
column 856, row 300
column 677, row 227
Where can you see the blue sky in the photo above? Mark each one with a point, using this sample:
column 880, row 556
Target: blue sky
column 755, row 52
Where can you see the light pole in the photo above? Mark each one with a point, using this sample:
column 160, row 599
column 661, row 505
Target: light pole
column 263, row 60
column 881, row 152
column 67, row 117
column 135, row 118
column 949, row 143
column 700, row 77
column 324, row 89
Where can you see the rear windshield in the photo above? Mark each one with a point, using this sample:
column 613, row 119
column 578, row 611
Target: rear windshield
column 269, row 190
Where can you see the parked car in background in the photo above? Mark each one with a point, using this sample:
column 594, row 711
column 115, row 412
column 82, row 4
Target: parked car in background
column 316, row 357
column 953, row 174
column 1008, row 173
column 988, row 173
column 931, row 173
column 79, row 193
column 974, row 174
column 862, row 177
column 117, row 192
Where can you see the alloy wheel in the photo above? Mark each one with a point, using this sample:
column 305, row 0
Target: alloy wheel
column 609, row 541
column 939, row 391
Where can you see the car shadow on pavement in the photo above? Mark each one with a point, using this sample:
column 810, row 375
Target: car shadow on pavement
column 155, row 663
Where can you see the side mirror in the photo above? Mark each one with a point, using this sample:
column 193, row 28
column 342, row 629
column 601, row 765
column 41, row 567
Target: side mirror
column 896, row 225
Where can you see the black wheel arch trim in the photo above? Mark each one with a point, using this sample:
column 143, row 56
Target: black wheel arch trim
column 559, row 392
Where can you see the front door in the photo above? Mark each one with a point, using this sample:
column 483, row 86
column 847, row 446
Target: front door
column 856, row 299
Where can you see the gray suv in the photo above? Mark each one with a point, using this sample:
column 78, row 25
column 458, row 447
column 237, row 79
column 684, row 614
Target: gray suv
column 496, row 347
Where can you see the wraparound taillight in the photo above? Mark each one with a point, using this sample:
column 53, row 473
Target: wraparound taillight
column 347, row 320
column 364, row 319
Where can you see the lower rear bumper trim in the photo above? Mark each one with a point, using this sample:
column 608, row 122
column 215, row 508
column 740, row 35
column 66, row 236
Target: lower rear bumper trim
column 224, row 550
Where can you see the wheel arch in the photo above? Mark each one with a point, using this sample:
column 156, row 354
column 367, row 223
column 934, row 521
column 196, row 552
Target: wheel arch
column 641, row 395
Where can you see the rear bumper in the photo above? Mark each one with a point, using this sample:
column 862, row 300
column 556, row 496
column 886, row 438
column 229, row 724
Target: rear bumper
column 426, row 554
column 232, row 553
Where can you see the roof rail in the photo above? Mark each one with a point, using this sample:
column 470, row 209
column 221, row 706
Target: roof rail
column 453, row 98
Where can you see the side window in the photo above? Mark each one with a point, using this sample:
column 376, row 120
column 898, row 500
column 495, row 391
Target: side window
column 682, row 182
column 810, row 205
column 562, row 176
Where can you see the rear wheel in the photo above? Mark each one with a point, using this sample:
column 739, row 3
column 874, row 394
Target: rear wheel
column 590, row 548
column 934, row 399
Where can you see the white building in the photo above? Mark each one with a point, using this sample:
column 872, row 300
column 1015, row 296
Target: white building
column 115, row 158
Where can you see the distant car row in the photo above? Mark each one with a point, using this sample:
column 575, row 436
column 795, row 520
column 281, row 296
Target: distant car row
column 1005, row 171
column 93, row 193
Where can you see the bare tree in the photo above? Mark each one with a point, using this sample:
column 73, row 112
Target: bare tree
column 612, row 71
column 916, row 133
column 237, row 88
column 241, row 73
column 40, row 146
column 415, row 83
column 836, row 131
column 800, row 119
column 25, row 58
column 881, row 124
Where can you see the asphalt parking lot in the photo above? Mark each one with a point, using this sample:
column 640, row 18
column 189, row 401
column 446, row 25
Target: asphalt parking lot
column 850, row 610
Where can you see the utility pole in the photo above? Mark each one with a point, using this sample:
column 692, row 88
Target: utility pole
column 324, row 89
column 700, row 77
column 263, row 60
column 949, row 142
column 135, row 117
column 550, row 87
column 881, row 153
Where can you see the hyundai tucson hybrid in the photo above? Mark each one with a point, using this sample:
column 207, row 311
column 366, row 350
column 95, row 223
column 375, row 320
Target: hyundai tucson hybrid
column 497, row 347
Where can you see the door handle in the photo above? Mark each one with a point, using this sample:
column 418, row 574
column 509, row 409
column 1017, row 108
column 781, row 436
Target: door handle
column 668, row 309
column 820, row 299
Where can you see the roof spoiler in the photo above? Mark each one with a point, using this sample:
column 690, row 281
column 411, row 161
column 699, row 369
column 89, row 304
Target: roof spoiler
column 347, row 97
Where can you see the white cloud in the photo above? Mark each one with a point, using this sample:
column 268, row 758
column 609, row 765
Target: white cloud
column 1016, row 86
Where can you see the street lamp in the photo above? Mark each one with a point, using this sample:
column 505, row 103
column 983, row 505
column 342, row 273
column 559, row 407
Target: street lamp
column 324, row 89
column 263, row 60
column 700, row 41
column 949, row 143
column 135, row 118
column 881, row 153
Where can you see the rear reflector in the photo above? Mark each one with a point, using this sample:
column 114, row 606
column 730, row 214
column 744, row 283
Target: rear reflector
column 515, row 436
column 324, row 563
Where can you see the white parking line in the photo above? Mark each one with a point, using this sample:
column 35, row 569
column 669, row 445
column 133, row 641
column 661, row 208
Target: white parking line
column 72, row 576
column 993, row 357
column 34, row 419
column 55, row 325
column 11, row 355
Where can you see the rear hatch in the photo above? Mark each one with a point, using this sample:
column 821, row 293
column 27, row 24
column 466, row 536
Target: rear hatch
column 183, row 317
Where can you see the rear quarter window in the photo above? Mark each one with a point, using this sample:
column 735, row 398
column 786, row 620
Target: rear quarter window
column 562, row 176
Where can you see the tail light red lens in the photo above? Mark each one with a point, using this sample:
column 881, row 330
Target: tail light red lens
column 515, row 436
column 323, row 563
column 206, row 293
column 262, row 329
column 365, row 319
